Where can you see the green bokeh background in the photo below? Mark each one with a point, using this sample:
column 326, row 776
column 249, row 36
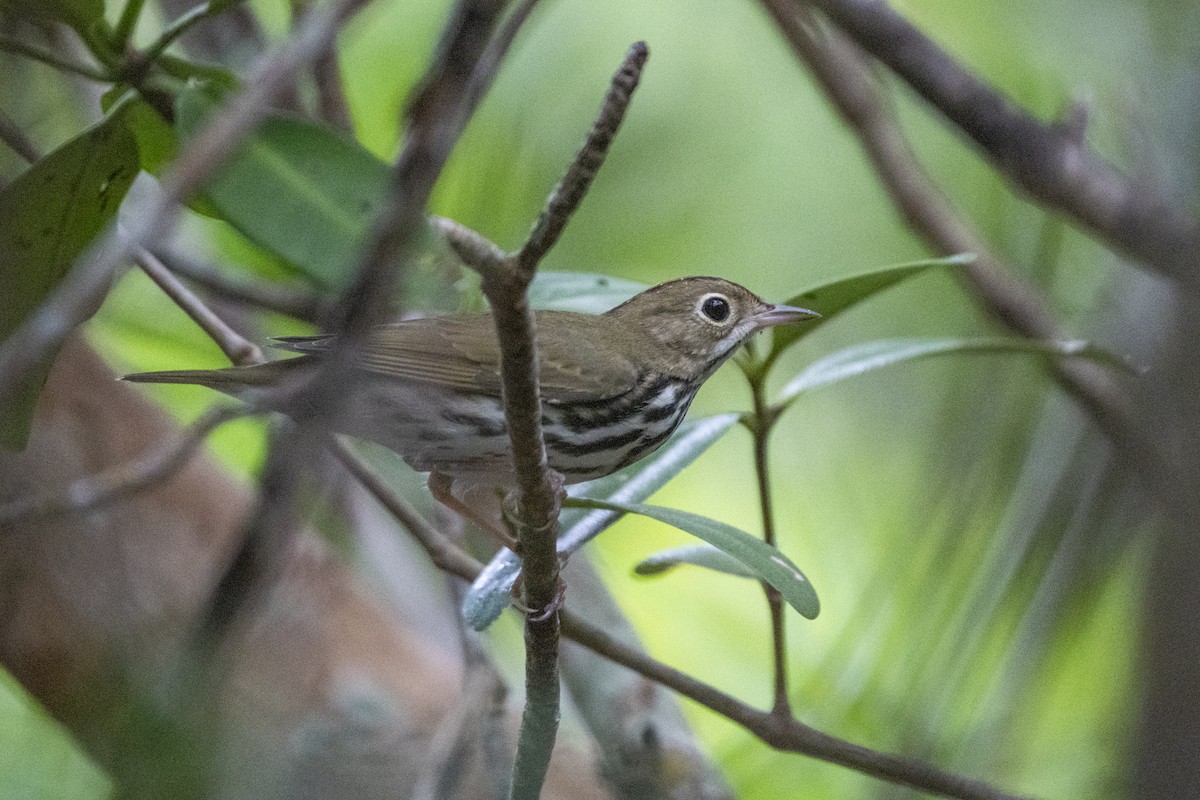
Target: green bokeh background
column 907, row 496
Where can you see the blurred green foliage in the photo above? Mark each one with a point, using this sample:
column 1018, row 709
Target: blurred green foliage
column 960, row 518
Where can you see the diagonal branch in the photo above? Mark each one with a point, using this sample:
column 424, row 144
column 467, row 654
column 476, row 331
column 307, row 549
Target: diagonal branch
column 850, row 86
column 96, row 491
column 782, row 733
column 1044, row 160
column 437, row 116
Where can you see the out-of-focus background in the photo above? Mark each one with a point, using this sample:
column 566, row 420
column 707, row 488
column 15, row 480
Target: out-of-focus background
column 978, row 552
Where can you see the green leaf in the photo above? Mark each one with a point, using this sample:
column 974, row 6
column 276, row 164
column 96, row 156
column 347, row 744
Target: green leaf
column 38, row 759
column 490, row 594
column 875, row 355
column 767, row 563
column 48, row 215
column 156, row 140
column 698, row 555
column 79, row 14
column 831, row 299
column 297, row 189
column 585, row 292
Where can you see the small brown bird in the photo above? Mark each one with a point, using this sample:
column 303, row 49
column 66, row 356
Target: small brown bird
column 613, row 386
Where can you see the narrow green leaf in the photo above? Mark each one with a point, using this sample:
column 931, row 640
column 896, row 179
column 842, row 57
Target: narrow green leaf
column 297, row 189
column 831, row 299
column 48, row 215
column 585, row 292
column 490, row 594
column 875, row 355
column 767, row 563
column 698, row 555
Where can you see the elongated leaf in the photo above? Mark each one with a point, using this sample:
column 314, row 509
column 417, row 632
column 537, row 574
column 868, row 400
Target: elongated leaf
column 765, row 561
column 490, row 594
column 698, row 555
column 48, row 215
column 831, row 299
column 885, row 352
column 295, row 188
column 585, row 292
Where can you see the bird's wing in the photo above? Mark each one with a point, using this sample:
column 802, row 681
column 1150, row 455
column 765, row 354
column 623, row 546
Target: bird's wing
column 462, row 352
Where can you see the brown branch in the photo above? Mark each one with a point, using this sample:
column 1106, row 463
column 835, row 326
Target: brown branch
column 506, row 280
column 855, row 93
column 298, row 303
column 237, row 348
column 103, row 488
column 1044, row 160
column 782, row 733
column 571, row 189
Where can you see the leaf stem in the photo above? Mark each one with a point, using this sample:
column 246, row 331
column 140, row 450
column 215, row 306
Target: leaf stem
column 763, row 421
column 127, row 22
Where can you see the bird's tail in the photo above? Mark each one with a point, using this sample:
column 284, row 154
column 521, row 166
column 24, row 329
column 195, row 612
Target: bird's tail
column 231, row 380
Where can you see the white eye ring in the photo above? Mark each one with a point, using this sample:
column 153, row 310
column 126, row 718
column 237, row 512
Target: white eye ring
column 715, row 309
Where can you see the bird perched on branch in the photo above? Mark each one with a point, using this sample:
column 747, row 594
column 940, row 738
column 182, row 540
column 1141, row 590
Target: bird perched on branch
column 613, row 385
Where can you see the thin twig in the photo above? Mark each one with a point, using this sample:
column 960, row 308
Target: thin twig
column 571, row 189
column 441, row 551
column 763, row 423
column 1047, row 162
column 237, row 348
column 104, row 488
column 301, row 304
column 327, row 78
column 18, row 47
column 784, row 733
column 179, row 27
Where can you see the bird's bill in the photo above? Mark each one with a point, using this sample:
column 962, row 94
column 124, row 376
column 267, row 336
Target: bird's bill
column 781, row 315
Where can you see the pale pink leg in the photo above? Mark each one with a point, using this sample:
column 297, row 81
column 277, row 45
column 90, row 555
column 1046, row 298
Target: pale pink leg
column 439, row 487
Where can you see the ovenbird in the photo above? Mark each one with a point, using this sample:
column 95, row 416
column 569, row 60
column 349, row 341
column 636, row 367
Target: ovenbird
column 613, row 386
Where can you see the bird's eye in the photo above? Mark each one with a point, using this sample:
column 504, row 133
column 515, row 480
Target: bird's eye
column 715, row 307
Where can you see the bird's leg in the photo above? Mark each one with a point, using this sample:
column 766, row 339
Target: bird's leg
column 440, row 487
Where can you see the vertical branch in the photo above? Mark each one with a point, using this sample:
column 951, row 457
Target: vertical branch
column 506, row 279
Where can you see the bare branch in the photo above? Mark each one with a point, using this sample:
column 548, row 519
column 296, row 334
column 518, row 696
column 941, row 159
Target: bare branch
column 442, row 552
column 784, row 733
column 236, row 347
column 854, row 92
column 96, row 491
column 1045, row 160
column 437, row 117
column 299, row 303
column 571, row 189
